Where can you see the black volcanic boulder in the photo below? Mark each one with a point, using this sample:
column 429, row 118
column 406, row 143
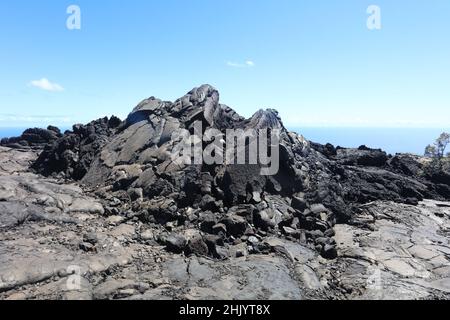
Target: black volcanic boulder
column 33, row 138
column 440, row 177
column 327, row 150
column 362, row 156
column 71, row 155
column 406, row 164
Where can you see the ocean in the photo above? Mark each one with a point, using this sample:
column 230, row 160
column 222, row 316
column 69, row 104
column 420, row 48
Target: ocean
column 392, row 140
column 11, row 132
column 15, row 132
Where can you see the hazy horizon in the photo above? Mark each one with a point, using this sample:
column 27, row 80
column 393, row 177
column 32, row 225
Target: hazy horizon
column 391, row 140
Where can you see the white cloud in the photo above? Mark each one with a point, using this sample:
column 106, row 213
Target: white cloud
column 247, row 64
column 45, row 84
column 234, row 64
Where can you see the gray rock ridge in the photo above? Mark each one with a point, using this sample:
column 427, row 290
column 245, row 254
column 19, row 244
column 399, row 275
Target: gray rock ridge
column 128, row 165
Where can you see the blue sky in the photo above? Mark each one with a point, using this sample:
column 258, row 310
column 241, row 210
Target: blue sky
column 314, row 61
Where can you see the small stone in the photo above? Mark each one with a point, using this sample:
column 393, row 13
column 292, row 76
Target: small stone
column 322, row 241
column 298, row 203
column 235, row 225
column 197, row 246
column 147, row 235
column 213, row 239
column 214, row 244
column 222, row 253
column 208, row 203
column 267, row 219
column 295, row 223
column 329, row 252
column 239, row 250
column 314, row 234
column 262, row 233
column 321, row 225
column 249, row 232
column 208, row 221
column 219, row 229
column 87, row 247
column 261, row 248
column 253, row 240
column 136, row 194
column 289, row 231
column 175, row 243
column 170, row 225
column 256, row 196
column 318, row 208
column 91, row 238
column 330, row 233
column 115, row 220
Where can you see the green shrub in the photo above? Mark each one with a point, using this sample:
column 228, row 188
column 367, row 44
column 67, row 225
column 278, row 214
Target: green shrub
column 440, row 160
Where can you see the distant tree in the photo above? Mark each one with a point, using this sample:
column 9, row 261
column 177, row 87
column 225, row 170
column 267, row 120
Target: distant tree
column 436, row 151
column 430, row 151
column 441, row 144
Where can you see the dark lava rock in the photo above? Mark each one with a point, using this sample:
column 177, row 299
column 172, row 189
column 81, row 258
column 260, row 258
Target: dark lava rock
column 406, row 164
column 235, row 225
column 362, row 156
column 440, row 177
column 175, row 243
column 90, row 238
column 327, row 150
column 73, row 153
column 197, row 246
column 87, row 247
column 33, row 138
column 315, row 187
column 219, row 229
column 329, row 251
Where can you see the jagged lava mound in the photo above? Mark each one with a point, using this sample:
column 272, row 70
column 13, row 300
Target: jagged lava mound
column 129, row 165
